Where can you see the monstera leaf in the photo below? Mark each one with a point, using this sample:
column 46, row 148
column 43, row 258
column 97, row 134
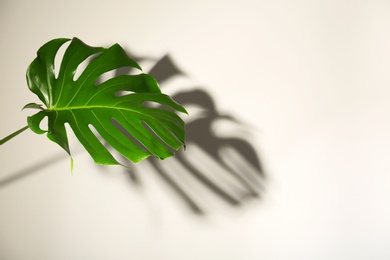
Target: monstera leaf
column 116, row 109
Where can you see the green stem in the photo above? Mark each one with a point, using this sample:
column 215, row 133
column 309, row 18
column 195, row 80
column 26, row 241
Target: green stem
column 2, row 141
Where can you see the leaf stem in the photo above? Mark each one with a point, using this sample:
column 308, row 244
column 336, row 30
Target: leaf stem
column 2, row 141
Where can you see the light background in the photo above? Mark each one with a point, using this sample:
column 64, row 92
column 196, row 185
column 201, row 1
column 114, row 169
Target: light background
column 310, row 77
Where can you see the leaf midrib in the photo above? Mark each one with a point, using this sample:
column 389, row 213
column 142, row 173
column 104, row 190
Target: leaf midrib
column 97, row 106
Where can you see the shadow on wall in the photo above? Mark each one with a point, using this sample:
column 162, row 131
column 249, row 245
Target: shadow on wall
column 218, row 168
column 213, row 169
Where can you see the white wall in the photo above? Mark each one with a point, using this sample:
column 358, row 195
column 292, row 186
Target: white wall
column 309, row 77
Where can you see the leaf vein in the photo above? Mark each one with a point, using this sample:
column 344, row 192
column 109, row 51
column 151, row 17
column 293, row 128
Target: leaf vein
column 82, row 84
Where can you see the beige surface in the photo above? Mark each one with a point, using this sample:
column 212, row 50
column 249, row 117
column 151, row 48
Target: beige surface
column 311, row 77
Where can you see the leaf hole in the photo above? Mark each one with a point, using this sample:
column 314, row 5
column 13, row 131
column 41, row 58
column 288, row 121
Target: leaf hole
column 117, row 156
column 115, row 73
column 148, row 104
column 81, row 67
column 43, row 125
column 58, row 58
column 127, row 134
column 123, row 93
column 151, row 104
column 157, row 137
column 95, row 132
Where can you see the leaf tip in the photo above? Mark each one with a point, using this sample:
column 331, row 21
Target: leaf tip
column 33, row 105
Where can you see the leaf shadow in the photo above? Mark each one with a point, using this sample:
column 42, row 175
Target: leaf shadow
column 30, row 170
column 205, row 177
column 246, row 177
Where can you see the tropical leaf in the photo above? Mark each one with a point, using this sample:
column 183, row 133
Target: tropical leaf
column 110, row 107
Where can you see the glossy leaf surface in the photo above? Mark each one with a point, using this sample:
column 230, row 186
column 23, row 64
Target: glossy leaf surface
column 114, row 108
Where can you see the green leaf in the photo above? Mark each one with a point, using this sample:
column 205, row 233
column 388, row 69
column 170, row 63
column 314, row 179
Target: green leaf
column 115, row 108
